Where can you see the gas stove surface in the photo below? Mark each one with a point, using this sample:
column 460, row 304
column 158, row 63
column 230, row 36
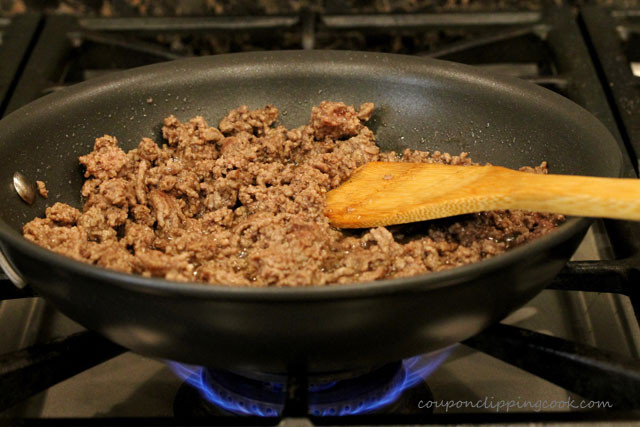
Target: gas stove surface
column 489, row 375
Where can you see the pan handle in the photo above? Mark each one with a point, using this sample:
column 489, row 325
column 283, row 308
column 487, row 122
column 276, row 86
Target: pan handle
column 11, row 272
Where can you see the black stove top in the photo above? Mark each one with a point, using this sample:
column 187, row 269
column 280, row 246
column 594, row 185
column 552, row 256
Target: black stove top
column 585, row 56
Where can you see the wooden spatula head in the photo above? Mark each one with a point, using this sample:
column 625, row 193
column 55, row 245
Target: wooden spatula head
column 384, row 193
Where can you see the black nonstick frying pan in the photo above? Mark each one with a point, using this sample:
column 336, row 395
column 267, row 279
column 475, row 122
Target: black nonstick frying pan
column 421, row 104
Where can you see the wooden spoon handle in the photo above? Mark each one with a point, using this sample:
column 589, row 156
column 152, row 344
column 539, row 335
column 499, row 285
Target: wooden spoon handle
column 573, row 195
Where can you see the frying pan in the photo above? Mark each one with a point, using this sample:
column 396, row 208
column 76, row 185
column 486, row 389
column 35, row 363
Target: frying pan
column 421, row 104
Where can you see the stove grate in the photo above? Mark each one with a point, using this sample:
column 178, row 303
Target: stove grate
column 556, row 56
column 17, row 36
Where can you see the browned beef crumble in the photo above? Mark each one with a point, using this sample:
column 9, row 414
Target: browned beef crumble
column 242, row 204
column 42, row 189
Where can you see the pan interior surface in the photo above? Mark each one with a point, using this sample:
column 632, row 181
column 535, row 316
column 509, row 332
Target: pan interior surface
column 420, row 104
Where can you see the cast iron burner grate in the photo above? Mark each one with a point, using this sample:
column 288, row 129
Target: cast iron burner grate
column 16, row 38
column 546, row 47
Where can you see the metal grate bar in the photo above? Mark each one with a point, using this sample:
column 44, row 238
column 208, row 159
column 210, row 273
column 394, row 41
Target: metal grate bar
column 454, row 48
column 628, row 13
column 29, row 371
column 177, row 24
column 440, row 20
column 108, row 39
column 297, row 400
column 548, row 81
column 573, row 59
column 602, row 31
column 616, row 71
column 45, row 61
column 585, row 370
column 308, row 29
column 18, row 36
column 594, row 276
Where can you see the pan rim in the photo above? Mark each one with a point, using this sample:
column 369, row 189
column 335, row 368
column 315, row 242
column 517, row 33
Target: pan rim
column 421, row 283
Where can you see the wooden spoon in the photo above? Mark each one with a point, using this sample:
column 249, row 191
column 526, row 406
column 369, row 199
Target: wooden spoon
column 385, row 193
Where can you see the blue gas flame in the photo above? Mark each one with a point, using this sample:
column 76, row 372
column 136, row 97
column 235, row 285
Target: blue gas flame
column 415, row 370
column 196, row 377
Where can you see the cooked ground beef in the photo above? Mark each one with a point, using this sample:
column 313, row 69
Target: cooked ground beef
column 42, row 189
column 242, row 204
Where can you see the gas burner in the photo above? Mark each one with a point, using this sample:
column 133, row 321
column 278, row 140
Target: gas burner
column 393, row 388
column 209, row 392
